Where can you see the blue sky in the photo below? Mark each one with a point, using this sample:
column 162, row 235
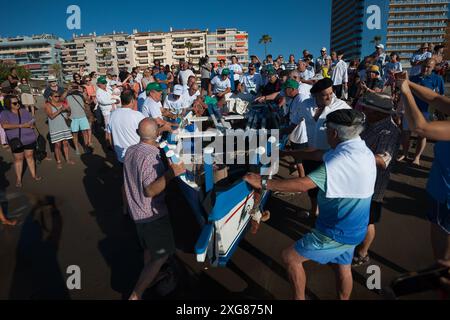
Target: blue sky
column 293, row 25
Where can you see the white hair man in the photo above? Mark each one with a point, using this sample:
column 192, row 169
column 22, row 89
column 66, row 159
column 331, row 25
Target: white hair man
column 346, row 181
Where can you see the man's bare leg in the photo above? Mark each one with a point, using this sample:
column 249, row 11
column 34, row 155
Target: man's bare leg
column 421, row 144
column 296, row 271
column 406, row 137
column 365, row 246
column 344, row 281
column 148, row 274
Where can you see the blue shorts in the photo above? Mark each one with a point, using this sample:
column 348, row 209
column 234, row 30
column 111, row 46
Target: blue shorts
column 320, row 248
column 439, row 213
column 80, row 124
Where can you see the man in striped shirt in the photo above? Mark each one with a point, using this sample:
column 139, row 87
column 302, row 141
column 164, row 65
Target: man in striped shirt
column 146, row 178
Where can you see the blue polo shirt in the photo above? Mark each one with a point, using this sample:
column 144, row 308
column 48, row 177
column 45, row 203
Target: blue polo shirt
column 433, row 82
column 344, row 220
column 162, row 77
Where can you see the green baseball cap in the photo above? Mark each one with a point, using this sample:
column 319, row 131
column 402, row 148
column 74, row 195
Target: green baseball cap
column 225, row 72
column 102, row 80
column 154, row 86
column 271, row 71
column 291, row 83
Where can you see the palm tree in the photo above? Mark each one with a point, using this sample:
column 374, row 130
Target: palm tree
column 265, row 39
column 188, row 46
column 56, row 70
column 376, row 40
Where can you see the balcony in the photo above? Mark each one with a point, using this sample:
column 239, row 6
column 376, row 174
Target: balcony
column 416, row 25
column 418, row 17
column 415, row 2
column 419, row 9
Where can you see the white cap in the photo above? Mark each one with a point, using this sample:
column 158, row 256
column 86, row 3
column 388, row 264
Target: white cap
column 323, row 49
column 379, row 46
column 178, row 90
column 51, row 79
column 113, row 83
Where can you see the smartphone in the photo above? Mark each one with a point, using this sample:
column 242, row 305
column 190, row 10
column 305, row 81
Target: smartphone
column 420, row 281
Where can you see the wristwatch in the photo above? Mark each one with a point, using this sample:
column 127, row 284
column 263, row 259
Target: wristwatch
column 264, row 184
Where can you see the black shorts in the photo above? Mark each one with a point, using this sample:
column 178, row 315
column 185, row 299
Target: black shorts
column 204, row 82
column 157, row 237
column 310, row 166
column 298, row 146
column 30, row 146
column 375, row 212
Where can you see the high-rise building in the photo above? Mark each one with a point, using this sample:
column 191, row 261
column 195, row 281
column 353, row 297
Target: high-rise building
column 357, row 26
column 148, row 46
column 414, row 22
column 97, row 53
column 224, row 43
column 189, row 45
column 36, row 53
column 401, row 25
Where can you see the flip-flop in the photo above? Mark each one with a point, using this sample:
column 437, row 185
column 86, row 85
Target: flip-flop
column 71, row 162
column 37, row 179
column 18, row 184
column 59, row 165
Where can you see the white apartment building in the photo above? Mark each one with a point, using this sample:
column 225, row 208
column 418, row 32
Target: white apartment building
column 97, row 53
column 120, row 50
column 224, row 43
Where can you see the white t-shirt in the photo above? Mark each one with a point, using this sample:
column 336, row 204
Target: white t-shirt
column 415, row 70
column 220, row 85
column 237, row 69
column 152, row 108
column 184, row 75
column 317, row 137
column 105, row 101
column 122, row 126
column 174, row 106
column 188, row 99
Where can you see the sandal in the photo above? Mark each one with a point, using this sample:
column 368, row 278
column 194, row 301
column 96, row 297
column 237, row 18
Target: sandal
column 59, row 165
column 360, row 261
column 37, row 178
column 71, row 162
column 18, row 184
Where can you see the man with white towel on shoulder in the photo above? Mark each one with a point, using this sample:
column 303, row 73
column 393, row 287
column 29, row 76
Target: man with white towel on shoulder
column 346, row 183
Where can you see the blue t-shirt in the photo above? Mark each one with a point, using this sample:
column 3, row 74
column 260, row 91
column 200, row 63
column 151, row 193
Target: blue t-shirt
column 344, row 220
column 433, row 82
column 438, row 185
column 162, row 77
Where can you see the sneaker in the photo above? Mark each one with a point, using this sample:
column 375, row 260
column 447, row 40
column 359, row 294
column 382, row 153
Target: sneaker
column 360, row 261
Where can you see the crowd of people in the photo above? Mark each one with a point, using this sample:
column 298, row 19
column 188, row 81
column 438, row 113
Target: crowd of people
column 345, row 122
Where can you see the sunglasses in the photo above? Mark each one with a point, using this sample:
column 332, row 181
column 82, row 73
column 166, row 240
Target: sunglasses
column 14, row 103
column 56, row 96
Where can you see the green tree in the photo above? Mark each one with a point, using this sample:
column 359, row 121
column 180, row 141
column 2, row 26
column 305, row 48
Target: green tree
column 5, row 70
column 56, row 70
column 265, row 39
